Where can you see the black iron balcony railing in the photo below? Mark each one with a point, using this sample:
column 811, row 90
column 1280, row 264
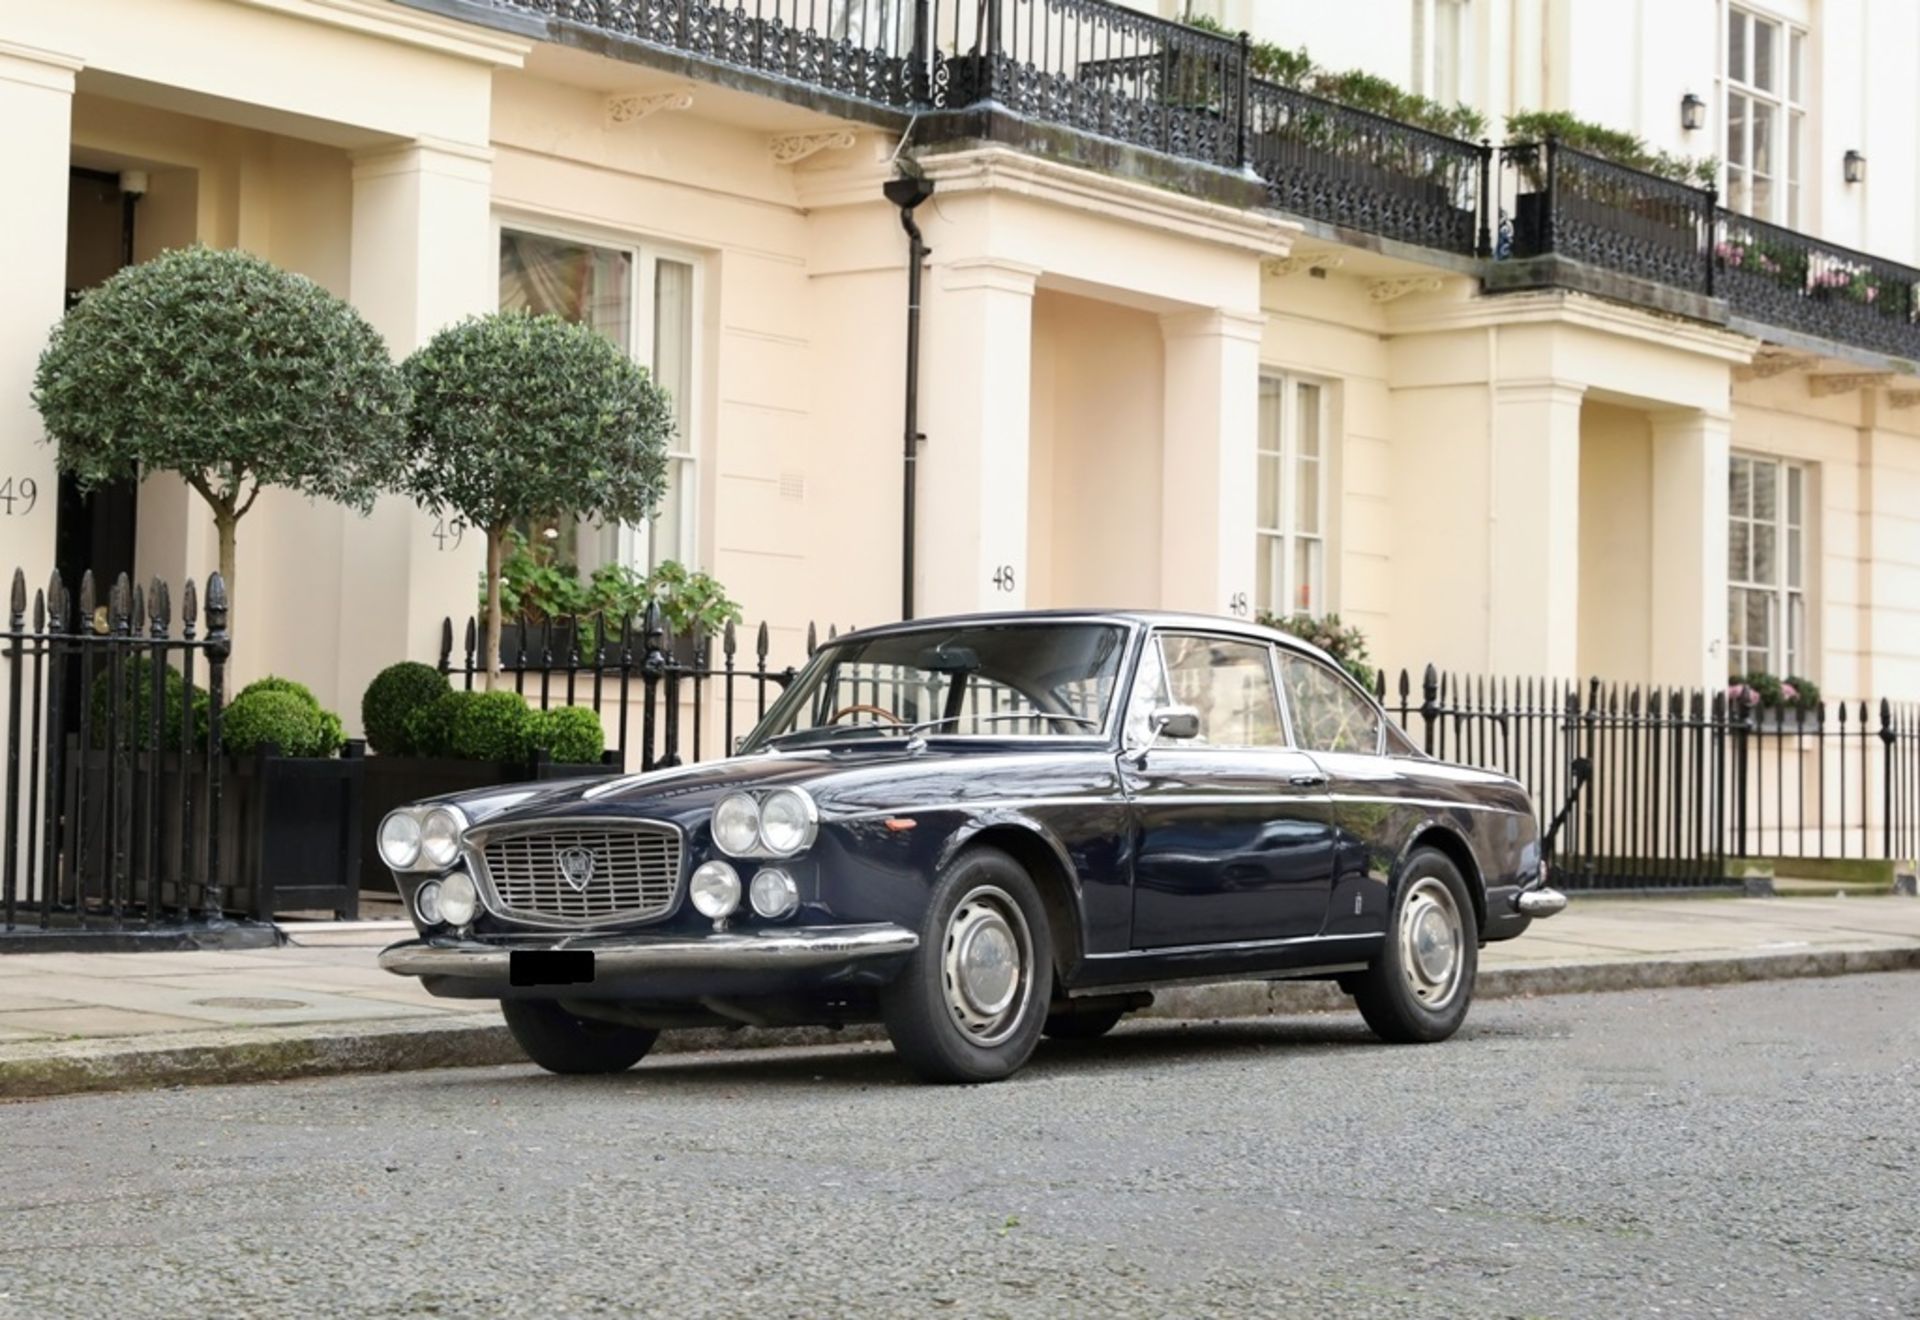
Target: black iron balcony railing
column 1099, row 68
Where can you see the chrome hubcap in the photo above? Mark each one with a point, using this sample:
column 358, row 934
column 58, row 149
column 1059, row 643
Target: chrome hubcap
column 985, row 962
column 1432, row 942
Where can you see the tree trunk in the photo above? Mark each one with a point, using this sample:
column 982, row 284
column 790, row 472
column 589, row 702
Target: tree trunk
column 496, row 554
column 227, row 523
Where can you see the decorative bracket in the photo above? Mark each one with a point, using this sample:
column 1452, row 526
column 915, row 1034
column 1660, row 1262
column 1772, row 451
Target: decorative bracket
column 1903, row 398
column 1385, row 291
column 632, row 107
column 1772, row 363
column 1821, row 386
column 1281, row 267
column 792, row 148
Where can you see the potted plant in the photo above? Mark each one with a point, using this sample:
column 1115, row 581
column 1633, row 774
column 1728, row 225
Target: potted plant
column 230, row 372
column 516, row 417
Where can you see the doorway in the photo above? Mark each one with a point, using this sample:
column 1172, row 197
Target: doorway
column 94, row 530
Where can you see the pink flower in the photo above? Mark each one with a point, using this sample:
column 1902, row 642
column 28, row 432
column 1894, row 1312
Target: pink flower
column 1789, row 693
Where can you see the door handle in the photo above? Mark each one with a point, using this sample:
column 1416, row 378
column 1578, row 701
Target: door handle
column 1307, row 780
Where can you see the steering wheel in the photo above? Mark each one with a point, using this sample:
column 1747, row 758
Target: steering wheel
column 881, row 711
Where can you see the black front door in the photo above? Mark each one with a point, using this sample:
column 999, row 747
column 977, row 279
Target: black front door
column 1232, row 831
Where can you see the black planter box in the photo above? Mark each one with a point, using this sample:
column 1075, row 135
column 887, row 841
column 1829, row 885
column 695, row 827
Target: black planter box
column 395, row 781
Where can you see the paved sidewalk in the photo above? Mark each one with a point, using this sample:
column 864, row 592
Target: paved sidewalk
column 91, row 1021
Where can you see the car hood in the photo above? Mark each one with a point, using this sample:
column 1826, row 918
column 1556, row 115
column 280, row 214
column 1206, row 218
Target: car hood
column 841, row 781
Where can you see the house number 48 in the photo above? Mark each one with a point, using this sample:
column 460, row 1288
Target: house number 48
column 1003, row 579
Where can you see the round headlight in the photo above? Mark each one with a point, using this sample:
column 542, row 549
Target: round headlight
column 459, row 900
column 774, row 893
column 426, row 901
column 400, row 840
column 787, row 821
column 440, row 836
column 736, row 825
column 716, row 890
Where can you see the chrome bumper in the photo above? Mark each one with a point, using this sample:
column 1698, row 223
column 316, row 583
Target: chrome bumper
column 1542, row 902
column 619, row 955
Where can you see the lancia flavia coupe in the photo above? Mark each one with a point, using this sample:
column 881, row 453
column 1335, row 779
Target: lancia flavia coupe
column 979, row 831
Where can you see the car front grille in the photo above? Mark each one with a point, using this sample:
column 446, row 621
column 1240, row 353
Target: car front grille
column 634, row 873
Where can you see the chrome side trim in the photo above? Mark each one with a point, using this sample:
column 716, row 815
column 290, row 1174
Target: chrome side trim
column 615, row 955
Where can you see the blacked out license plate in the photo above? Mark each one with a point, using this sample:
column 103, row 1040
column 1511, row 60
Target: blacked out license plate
column 550, row 966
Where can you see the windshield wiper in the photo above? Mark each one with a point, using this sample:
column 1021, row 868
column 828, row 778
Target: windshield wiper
column 824, row 731
column 924, row 725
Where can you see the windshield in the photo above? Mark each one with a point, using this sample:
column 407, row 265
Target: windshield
column 1012, row 680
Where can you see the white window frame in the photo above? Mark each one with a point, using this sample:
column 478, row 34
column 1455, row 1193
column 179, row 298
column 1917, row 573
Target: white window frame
column 633, row 542
column 1789, row 649
column 1449, row 86
column 1285, row 590
column 1791, row 141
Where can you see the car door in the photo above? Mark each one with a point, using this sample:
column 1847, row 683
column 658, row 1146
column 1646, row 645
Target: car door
column 1231, row 833
column 1344, row 731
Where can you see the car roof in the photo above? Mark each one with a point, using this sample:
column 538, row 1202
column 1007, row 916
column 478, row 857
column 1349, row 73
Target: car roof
column 1132, row 618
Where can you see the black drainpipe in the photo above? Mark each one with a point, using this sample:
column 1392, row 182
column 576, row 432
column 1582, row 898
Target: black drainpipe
column 907, row 192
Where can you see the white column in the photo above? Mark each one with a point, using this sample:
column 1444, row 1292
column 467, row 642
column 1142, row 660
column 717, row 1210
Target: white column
column 422, row 257
column 1209, row 470
column 970, row 550
column 1689, row 550
column 1534, row 555
column 36, row 105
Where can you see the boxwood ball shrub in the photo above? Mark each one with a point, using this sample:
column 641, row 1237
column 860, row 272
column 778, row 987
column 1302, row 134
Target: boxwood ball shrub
column 271, row 717
column 136, row 705
column 571, row 735
column 429, row 730
column 494, row 726
column 391, row 700
column 332, row 732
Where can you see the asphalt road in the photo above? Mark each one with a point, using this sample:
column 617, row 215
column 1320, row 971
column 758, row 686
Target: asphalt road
column 1752, row 1151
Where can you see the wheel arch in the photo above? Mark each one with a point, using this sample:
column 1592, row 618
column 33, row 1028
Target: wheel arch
column 1454, row 847
column 1051, row 871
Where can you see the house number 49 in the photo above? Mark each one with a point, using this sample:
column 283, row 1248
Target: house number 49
column 447, row 533
column 19, row 496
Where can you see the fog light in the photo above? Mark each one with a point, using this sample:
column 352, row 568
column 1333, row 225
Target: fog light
column 400, row 840
column 774, row 894
column 716, row 890
column 459, row 900
column 440, row 836
column 426, row 902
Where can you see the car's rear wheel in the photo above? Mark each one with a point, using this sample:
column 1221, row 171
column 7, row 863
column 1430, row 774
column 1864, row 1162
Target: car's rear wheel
column 970, row 1005
column 1083, row 1026
column 1420, row 985
column 563, row 1043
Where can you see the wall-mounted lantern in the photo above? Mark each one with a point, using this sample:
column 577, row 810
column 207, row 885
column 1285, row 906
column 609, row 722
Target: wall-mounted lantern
column 1693, row 113
column 1854, row 167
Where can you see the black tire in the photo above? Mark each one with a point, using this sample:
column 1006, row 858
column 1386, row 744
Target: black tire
column 984, row 901
column 562, row 1043
column 1405, row 995
column 1083, row 1026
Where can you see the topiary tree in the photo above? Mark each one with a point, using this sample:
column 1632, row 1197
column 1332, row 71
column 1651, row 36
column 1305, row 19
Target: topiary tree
column 330, row 734
column 517, row 416
column 430, row 728
column 570, row 735
column 391, row 700
column 273, row 717
column 231, row 372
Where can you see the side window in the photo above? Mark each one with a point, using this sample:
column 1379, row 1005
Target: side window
column 1328, row 715
column 1230, row 684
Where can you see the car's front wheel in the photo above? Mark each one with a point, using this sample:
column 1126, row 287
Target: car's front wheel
column 970, row 1005
column 1419, row 986
column 560, row 1042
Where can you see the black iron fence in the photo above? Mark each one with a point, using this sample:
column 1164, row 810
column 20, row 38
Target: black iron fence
column 114, row 794
column 1557, row 200
column 1684, row 782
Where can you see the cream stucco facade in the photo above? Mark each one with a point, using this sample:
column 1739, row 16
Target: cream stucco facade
column 1529, row 482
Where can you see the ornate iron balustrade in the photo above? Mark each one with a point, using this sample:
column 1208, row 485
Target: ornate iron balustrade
column 1779, row 277
column 1364, row 171
column 1572, row 204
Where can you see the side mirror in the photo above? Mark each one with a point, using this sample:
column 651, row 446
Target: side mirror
column 1177, row 722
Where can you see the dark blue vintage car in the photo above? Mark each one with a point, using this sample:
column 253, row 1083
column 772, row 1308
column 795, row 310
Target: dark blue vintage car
column 978, row 830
